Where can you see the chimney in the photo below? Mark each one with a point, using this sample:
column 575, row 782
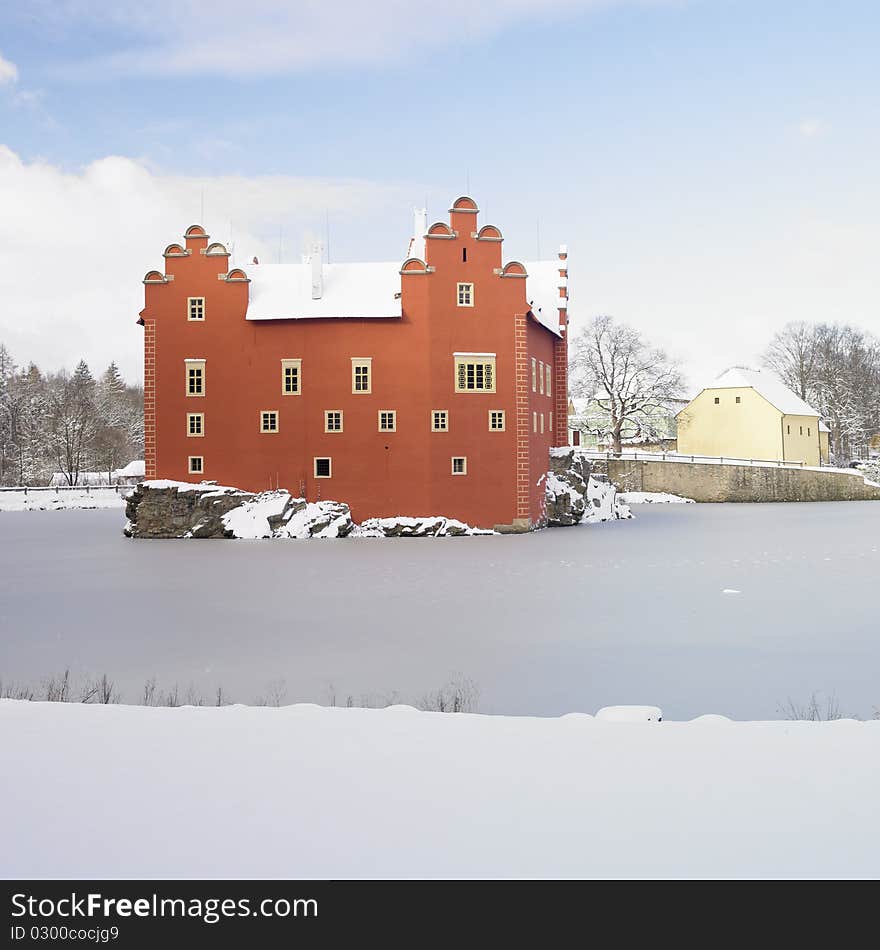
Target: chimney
column 317, row 260
column 420, row 222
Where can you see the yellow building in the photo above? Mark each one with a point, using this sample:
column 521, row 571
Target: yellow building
column 750, row 414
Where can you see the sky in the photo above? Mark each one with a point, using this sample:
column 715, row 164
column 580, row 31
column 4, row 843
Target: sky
column 711, row 164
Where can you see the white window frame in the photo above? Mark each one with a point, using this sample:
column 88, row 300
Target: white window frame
column 464, row 294
column 358, row 362
column 548, row 387
column 550, row 420
column 434, row 427
column 542, row 423
column 541, row 377
column 503, row 415
column 335, row 412
column 264, row 430
column 291, row 364
column 534, row 375
column 319, row 458
column 534, row 422
column 195, row 365
column 475, row 359
column 458, row 458
column 195, row 305
column 384, row 412
column 189, row 465
column 195, row 415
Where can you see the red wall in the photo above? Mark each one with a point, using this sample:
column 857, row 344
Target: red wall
column 407, row 472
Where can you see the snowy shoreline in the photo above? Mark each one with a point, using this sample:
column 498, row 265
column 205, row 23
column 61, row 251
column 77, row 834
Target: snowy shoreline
column 313, row 792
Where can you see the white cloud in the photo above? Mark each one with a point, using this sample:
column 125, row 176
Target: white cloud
column 75, row 246
column 811, row 128
column 8, row 71
column 186, row 37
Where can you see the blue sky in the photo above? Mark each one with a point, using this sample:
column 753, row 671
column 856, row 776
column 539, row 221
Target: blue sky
column 711, row 163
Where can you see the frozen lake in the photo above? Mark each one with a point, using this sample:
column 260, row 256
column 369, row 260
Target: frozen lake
column 561, row 620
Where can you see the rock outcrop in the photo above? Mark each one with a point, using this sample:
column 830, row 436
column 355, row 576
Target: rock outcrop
column 573, row 495
column 165, row 509
column 434, row 527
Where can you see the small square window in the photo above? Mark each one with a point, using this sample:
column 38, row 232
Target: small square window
column 459, row 465
column 333, row 420
column 268, row 420
column 195, row 424
column 739, row 399
column 291, row 377
column 195, row 308
column 361, row 375
column 196, row 464
column 717, row 400
column 496, row 420
column 465, row 295
column 323, row 468
column 440, row 420
column 387, row 420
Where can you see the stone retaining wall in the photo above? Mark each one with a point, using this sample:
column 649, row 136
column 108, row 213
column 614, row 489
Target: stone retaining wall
column 746, row 483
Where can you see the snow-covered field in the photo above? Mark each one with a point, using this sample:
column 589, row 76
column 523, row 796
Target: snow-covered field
column 565, row 619
column 301, row 791
column 652, row 498
column 63, row 499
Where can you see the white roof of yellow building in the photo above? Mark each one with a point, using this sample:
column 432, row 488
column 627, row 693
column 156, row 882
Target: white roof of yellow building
column 766, row 385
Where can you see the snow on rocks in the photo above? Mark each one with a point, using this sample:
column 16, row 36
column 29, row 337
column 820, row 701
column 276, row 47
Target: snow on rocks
column 574, row 496
column 166, row 509
column 431, row 527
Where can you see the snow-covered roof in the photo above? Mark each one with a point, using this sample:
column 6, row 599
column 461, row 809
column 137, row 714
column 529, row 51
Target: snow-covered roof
column 542, row 289
column 368, row 291
column 362, row 291
column 766, row 385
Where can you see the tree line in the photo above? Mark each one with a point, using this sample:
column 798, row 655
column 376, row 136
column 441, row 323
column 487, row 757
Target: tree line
column 836, row 369
column 66, row 422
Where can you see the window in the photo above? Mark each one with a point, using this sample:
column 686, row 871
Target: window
column 440, row 420
column 802, row 430
column 388, row 420
column 496, row 420
column 550, row 420
column 534, row 375
column 361, row 374
column 465, row 295
column 195, row 377
column 464, row 255
column 542, row 423
column 291, row 377
column 268, row 420
column 788, row 430
column 717, row 400
column 534, row 421
column 475, row 372
column 195, row 308
column 333, row 420
column 196, row 464
column 739, row 399
column 541, row 377
column 459, row 465
column 808, row 431
column 195, row 423
column 547, row 383
column 323, row 467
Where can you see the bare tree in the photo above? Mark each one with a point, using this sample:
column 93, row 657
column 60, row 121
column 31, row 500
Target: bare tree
column 629, row 380
column 813, row 710
column 836, row 369
column 458, row 694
